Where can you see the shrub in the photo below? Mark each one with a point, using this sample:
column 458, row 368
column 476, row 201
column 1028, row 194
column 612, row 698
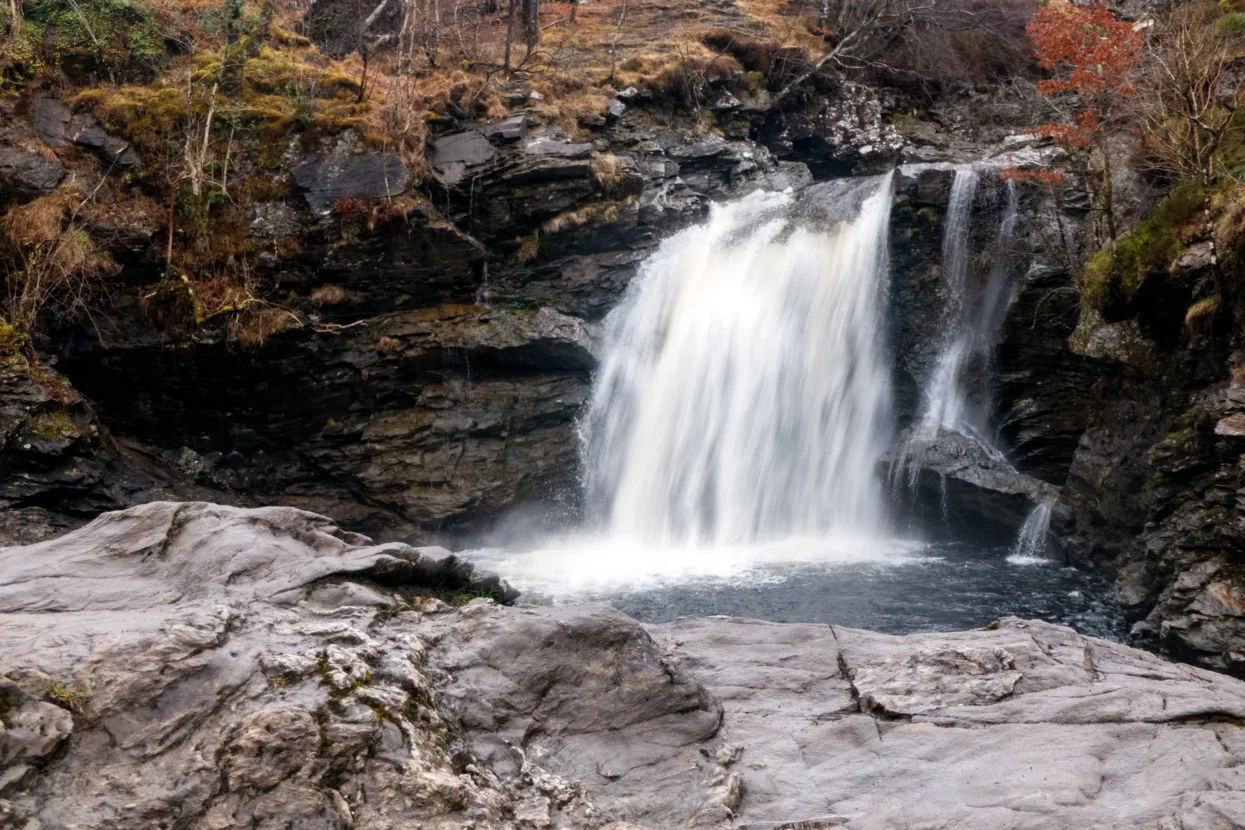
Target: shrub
column 116, row 38
column 47, row 262
column 1113, row 276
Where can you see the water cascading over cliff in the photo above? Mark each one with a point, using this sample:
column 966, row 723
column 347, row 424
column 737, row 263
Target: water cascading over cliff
column 744, row 394
column 974, row 309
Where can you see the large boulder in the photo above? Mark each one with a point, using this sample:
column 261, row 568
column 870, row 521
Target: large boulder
column 349, row 170
column 956, row 487
column 26, row 174
column 59, row 127
column 211, row 667
column 215, row 670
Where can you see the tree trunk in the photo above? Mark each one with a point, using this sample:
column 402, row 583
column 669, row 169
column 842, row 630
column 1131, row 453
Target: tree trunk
column 531, row 24
column 622, row 16
column 364, row 56
column 233, row 16
column 15, row 12
column 1108, row 192
column 509, row 34
column 432, row 32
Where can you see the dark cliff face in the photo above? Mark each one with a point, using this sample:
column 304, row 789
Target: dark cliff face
column 1155, row 489
column 444, row 349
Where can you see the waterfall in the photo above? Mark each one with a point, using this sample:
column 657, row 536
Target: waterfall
column 974, row 313
column 944, row 401
column 1030, row 547
column 744, row 392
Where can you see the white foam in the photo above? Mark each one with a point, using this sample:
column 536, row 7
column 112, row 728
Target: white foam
column 584, row 565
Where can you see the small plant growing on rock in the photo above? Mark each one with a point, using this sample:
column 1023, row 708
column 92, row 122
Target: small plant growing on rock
column 529, row 248
column 48, row 261
column 609, row 172
column 67, row 697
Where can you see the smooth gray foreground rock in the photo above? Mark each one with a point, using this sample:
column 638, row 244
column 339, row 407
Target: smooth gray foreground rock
column 1027, row 725
column 196, row 666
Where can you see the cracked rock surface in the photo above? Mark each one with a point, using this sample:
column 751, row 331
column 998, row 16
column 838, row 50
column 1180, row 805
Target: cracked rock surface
column 198, row 666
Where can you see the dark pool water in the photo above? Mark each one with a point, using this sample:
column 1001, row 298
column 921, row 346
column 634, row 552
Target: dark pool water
column 940, row 588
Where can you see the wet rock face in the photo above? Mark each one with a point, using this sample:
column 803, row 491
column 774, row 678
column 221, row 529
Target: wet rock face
column 1181, row 577
column 346, row 171
column 1156, row 483
column 1036, row 387
column 419, row 419
column 1046, row 391
column 958, row 490
column 27, row 175
column 219, row 667
column 49, row 440
column 446, row 352
column 58, row 464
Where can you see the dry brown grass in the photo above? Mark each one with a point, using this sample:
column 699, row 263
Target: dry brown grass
column 38, row 222
column 252, row 326
column 529, row 248
column 47, row 259
column 609, row 172
column 594, row 215
column 329, row 295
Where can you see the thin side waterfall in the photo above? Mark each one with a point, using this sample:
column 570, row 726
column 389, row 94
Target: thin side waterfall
column 1031, row 543
column 974, row 314
column 744, row 394
column 944, row 401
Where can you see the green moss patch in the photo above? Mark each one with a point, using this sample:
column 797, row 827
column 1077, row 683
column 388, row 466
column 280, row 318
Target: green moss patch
column 1113, row 276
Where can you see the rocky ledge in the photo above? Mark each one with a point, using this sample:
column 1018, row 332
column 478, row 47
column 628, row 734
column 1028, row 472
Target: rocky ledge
column 199, row 666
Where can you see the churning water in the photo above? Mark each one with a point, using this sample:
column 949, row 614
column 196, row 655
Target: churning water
column 1031, row 546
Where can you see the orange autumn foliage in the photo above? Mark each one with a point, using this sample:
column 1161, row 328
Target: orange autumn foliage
column 1093, row 51
column 1093, row 55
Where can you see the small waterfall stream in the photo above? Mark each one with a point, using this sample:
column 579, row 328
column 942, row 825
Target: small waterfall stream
column 1031, row 544
column 975, row 308
column 944, row 400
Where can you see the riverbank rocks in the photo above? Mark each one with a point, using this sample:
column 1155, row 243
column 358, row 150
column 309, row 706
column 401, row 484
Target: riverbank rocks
column 196, row 665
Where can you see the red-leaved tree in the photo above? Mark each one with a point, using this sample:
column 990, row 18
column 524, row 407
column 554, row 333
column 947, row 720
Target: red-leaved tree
column 1092, row 56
